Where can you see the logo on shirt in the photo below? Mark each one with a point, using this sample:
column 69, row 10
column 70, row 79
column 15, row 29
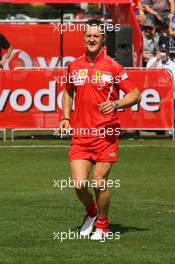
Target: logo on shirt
column 112, row 154
column 78, row 76
column 102, row 76
column 83, row 73
column 124, row 76
column 97, row 74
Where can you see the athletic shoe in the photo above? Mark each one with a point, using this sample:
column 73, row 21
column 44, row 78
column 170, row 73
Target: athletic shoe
column 87, row 226
column 100, row 234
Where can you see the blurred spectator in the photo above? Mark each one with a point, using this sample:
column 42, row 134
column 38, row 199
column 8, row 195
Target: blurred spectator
column 164, row 41
column 150, row 41
column 138, row 10
column 162, row 60
column 4, row 44
column 172, row 30
column 160, row 12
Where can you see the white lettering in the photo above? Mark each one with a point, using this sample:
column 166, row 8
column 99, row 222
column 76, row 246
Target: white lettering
column 14, row 100
column 47, row 100
column 150, row 100
column 51, row 93
column 3, row 99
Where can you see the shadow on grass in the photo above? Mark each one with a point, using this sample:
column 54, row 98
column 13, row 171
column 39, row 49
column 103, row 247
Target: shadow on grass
column 124, row 229
column 119, row 228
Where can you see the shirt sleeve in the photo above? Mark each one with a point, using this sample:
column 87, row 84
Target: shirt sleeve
column 123, row 81
column 152, row 62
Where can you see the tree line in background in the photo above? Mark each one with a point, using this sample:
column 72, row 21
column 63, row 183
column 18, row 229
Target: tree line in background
column 42, row 11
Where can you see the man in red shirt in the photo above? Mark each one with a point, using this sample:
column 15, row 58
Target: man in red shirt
column 95, row 79
column 4, row 45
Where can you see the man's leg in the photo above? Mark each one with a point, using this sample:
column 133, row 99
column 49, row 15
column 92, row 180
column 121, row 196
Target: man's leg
column 100, row 177
column 79, row 173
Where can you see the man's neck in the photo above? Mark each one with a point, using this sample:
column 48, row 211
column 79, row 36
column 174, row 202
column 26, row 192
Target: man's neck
column 92, row 56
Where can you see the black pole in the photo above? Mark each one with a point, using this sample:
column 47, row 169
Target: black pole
column 61, row 36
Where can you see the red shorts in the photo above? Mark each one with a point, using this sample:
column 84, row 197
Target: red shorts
column 95, row 149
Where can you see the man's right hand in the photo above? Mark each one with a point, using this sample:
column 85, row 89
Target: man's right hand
column 64, row 125
column 158, row 16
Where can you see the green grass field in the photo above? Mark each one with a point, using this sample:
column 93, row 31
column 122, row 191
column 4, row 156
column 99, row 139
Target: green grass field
column 31, row 209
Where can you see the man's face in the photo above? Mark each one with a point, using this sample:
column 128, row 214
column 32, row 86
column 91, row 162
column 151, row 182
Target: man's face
column 148, row 31
column 164, row 56
column 93, row 39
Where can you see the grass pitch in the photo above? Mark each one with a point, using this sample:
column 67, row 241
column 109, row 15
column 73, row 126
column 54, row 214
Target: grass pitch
column 31, row 209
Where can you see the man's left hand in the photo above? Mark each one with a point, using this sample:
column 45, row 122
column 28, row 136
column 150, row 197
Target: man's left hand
column 107, row 107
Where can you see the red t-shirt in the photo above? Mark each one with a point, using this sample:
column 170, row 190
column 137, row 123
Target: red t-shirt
column 94, row 84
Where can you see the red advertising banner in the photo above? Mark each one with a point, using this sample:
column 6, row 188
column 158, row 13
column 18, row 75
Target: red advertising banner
column 156, row 107
column 39, row 45
column 32, row 99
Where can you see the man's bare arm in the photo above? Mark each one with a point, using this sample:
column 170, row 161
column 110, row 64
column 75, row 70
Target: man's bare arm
column 130, row 99
column 6, row 56
column 171, row 7
column 67, row 102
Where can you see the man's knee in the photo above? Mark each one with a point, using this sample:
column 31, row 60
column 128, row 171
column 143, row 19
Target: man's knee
column 99, row 185
column 80, row 184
